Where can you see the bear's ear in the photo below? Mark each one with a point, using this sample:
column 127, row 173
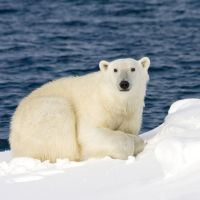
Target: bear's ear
column 145, row 62
column 103, row 65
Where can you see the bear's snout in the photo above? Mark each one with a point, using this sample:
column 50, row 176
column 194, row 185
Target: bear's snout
column 124, row 85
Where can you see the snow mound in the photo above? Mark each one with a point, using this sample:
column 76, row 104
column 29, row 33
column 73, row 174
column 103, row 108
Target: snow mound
column 177, row 141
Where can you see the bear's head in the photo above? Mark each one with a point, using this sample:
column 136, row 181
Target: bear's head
column 126, row 74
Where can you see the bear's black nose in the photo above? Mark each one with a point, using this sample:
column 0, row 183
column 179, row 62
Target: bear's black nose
column 124, row 85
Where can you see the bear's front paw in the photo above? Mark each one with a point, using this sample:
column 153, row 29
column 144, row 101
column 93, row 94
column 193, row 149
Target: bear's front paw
column 138, row 145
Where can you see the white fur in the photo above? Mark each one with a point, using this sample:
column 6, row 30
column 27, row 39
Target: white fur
column 83, row 117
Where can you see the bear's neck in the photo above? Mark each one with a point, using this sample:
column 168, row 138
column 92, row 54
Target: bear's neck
column 122, row 103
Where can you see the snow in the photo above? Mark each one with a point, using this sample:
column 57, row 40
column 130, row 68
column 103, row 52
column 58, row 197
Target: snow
column 168, row 168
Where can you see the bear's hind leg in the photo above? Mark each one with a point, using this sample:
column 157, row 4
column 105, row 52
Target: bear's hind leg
column 45, row 128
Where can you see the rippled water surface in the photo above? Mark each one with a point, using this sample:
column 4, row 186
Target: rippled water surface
column 44, row 40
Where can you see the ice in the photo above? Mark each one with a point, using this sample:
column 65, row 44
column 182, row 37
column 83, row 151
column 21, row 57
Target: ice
column 168, row 168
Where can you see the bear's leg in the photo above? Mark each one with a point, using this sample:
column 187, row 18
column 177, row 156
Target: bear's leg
column 44, row 128
column 100, row 142
column 139, row 145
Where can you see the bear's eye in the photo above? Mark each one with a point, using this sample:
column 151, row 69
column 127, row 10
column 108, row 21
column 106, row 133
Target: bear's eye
column 115, row 70
column 132, row 69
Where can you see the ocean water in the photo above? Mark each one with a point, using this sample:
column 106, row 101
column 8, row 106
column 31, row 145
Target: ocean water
column 44, row 40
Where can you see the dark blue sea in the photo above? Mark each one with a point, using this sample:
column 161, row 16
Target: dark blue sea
column 47, row 39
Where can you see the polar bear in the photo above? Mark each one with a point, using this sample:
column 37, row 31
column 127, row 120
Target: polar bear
column 94, row 115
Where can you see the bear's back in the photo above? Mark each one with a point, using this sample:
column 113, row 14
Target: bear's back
column 67, row 86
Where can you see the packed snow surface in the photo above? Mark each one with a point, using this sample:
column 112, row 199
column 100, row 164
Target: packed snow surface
column 169, row 168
